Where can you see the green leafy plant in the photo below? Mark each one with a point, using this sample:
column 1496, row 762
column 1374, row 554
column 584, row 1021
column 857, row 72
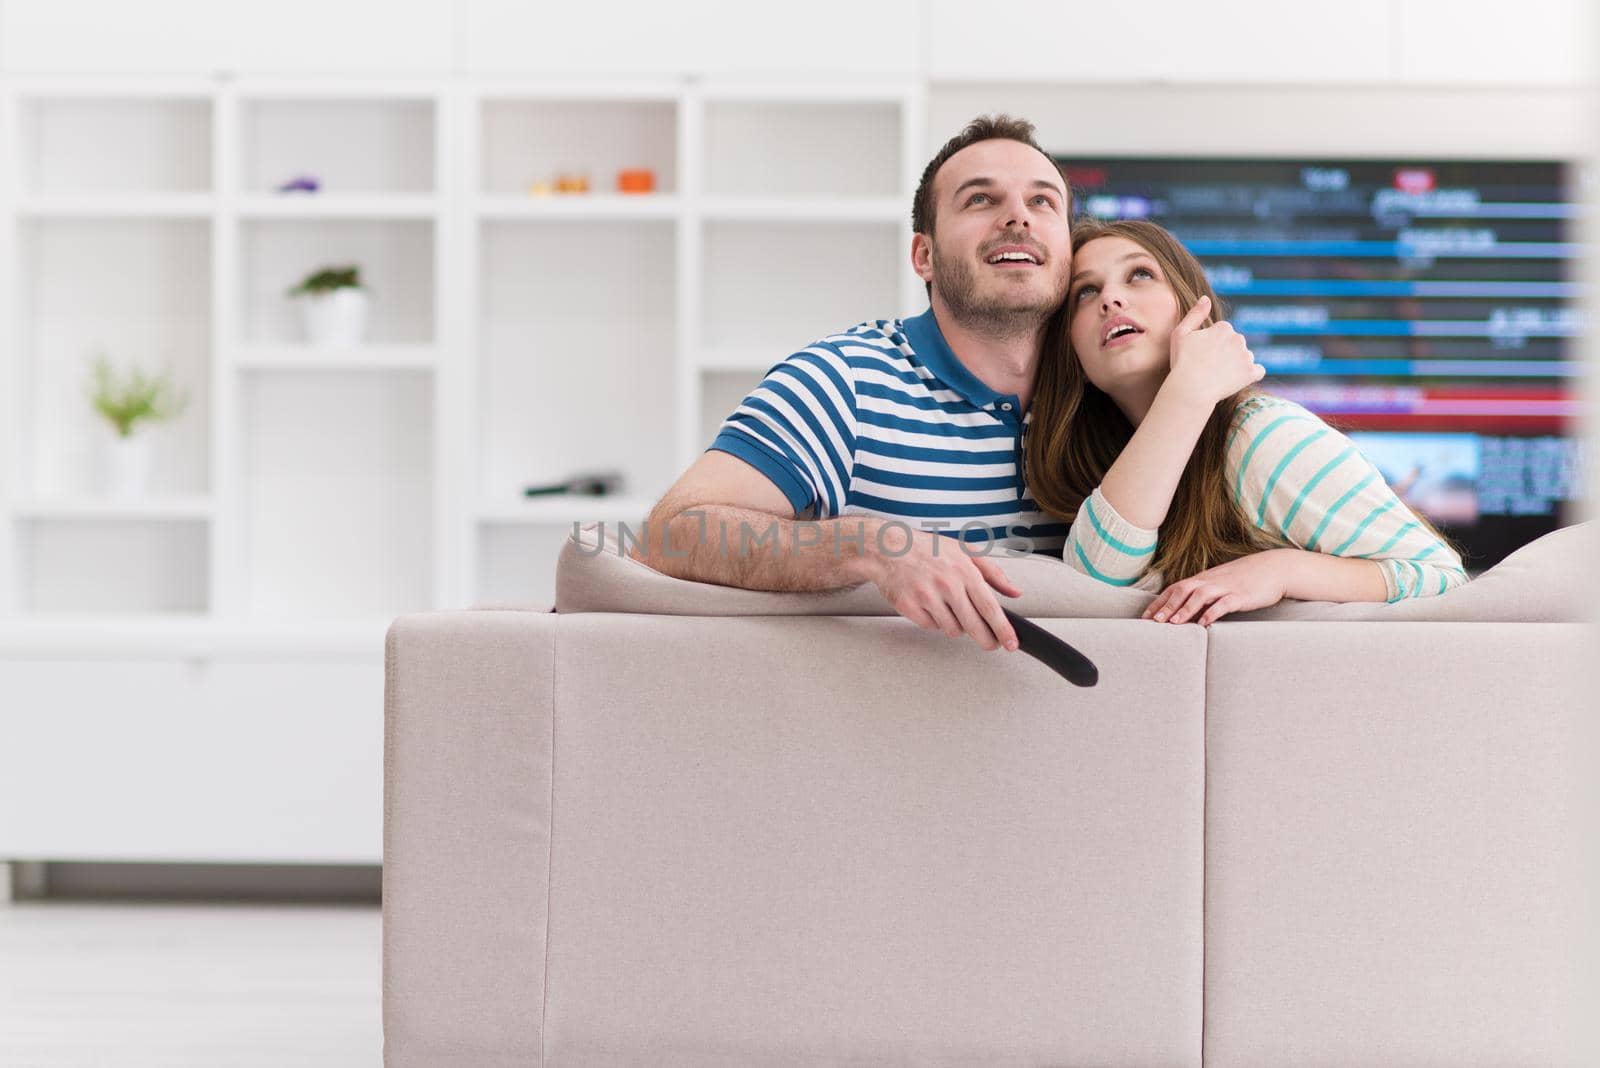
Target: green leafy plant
column 127, row 400
column 329, row 279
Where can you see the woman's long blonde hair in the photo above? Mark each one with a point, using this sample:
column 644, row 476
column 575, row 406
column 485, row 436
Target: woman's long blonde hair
column 1077, row 430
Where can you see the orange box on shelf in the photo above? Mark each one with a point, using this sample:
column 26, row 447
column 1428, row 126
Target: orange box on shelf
column 636, row 180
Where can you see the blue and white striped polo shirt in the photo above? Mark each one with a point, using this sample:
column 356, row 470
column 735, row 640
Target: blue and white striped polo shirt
column 884, row 420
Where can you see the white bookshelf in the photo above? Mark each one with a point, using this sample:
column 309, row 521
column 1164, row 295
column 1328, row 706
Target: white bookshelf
column 117, row 206
column 90, row 508
column 756, row 240
column 333, row 206
column 588, row 207
column 310, row 494
column 303, row 357
column 517, row 335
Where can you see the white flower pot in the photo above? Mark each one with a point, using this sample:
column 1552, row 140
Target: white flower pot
column 125, row 465
column 338, row 317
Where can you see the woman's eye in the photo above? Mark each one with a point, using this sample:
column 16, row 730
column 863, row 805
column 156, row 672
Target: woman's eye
column 1137, row 271
column 1080, row 294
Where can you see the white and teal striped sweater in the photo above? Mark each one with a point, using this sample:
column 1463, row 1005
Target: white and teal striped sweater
column 1296, row 477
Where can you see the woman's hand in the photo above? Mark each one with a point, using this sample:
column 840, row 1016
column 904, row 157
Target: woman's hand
column 1210, row 363
column 1250, row 582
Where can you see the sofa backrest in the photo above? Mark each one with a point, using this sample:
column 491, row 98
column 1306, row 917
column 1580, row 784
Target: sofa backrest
column 1546, row 581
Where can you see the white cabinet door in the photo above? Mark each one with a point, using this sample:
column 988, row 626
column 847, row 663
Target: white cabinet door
column 239, row 760
column 1225, row 41
column 94, row 37
column 344, row 37
column 714, row 37
column 202, row 36
column 1484, row 43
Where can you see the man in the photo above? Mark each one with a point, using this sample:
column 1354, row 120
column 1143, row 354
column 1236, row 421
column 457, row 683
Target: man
column 902, row 439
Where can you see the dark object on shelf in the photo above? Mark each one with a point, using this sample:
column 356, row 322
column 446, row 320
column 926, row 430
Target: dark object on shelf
column 300, row 183
column 1052, row 652
column 588, row 484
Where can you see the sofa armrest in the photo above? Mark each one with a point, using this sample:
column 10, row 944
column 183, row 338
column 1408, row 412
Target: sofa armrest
column 468, row 699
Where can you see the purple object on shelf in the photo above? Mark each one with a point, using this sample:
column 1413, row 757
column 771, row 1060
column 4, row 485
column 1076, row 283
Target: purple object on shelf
column 301, row 182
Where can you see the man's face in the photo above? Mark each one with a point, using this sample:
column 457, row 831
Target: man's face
column 1001, row 253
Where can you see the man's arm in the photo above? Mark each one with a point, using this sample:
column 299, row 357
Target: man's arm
column 727, row 523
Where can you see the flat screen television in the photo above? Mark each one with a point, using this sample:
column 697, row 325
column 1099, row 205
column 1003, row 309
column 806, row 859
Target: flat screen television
column 1429, row 309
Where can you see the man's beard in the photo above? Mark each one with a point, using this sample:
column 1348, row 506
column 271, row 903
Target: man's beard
column 998, row 316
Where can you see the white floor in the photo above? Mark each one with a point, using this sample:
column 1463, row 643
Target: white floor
column 189, row 985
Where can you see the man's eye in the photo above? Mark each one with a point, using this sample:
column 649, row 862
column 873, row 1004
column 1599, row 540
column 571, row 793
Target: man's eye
column 1046, row 200
column 973, row 199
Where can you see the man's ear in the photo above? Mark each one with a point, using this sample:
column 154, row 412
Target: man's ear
column 922, row 256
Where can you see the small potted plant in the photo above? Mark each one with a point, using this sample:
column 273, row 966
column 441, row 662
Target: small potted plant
column 335, row 305
column 126, row 401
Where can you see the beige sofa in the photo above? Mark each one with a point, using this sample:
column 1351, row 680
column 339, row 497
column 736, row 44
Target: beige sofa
column 678, row 824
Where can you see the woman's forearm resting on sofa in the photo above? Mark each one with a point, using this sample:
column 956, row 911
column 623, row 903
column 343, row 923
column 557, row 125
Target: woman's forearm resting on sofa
column 1314, row 576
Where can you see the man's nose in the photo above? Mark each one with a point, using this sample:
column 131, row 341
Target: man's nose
column 1016, row 214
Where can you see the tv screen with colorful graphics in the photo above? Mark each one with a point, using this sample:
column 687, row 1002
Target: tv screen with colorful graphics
column 1428, row 309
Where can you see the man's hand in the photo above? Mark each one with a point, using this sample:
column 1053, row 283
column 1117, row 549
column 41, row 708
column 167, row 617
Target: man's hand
column 935, row 583
column 1250, row 582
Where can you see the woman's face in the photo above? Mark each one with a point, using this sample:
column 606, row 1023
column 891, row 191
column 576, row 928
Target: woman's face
column 1122, row 311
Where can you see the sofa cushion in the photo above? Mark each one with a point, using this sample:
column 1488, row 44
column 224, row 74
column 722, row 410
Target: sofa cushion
column 1545, row 581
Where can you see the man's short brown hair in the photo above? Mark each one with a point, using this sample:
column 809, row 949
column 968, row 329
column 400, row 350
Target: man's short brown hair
column 982, row 128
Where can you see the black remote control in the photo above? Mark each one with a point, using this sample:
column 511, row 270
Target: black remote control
column 1052, row 652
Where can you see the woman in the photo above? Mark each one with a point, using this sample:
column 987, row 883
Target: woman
column 1180, row 476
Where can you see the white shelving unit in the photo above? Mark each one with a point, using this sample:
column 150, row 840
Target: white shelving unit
column 514, row 338
column 610, row 330
column 308, row 495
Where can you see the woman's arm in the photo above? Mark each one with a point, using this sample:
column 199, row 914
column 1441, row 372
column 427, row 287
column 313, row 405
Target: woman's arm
column 1309, row 576
column 1142, row 480
column 1261, row 580
column 1113, row 537
column 1304, row 481
column 1208, row 364
column 1102, row 544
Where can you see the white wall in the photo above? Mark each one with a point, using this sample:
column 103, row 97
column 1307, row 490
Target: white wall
column 1366, row 120
column 1410, row 42
column 1447, row 42
column 1378, row 77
